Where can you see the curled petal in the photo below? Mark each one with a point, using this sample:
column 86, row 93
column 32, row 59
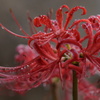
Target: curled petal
column 79, row 21
column 36, row 22
column 59, row 15
column 95, row 20
column 88, row 28
column 70, row 14
column 43, row 19
column 69, row 41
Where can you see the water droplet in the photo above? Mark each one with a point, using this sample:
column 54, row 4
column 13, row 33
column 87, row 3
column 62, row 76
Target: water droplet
column 24, row 67
column 50, row 29
column 76, row 19
column 21, row 68
column 2, row 27
column 28, row 73
column 20, row 29
column 27, row 65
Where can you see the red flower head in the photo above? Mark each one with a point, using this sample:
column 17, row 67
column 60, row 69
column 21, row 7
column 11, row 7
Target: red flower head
column 25, row 53
column 58, row 50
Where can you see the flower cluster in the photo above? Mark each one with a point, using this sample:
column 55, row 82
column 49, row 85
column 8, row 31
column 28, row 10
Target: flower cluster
column 55, row 51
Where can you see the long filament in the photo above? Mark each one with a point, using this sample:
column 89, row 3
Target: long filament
column 20, row 27
column 3, row 27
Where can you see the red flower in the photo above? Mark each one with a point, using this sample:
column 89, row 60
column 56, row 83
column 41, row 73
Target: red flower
column 26, row 54
column 58, row 50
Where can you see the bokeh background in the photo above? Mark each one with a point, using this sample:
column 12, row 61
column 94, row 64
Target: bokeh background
column 9, row 42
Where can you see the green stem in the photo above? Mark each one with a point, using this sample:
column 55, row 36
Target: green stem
column 54, row 90
column 75, row 86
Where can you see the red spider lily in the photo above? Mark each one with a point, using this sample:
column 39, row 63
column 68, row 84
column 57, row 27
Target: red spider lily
column 26, row 54
column 93, row 48
column 43, row 60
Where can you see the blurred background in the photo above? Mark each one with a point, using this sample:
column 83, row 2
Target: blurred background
column 9, row 42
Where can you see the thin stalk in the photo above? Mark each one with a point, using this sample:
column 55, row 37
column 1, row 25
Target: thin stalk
column 54, row 90
column 75, row 86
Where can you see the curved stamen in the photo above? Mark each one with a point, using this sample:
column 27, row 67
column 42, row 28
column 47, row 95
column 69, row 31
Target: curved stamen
column 20, row 27
column 32, row 27
column 3, row 27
